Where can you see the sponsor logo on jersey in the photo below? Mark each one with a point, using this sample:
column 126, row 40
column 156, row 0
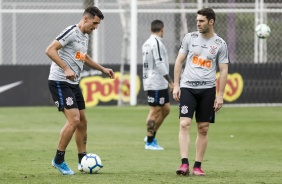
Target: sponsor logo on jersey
column 69, row 101
column 184, row 109
column 204, row 46
column 205, row 63
column 213, row 49
column 193, row 45
column 218, row 41
column 196, row 83
column 194, row 35
column 80, row 56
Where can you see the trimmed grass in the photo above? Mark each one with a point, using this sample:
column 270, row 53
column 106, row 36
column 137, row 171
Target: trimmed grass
column 244, row 146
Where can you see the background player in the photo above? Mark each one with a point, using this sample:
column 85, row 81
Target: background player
column 156, row 80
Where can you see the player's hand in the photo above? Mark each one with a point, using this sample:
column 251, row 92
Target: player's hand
column 218, row 103
column 70, row 74
column 176, row 93
column 109, row 72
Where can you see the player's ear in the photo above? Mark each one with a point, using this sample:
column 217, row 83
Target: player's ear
column 211, row 22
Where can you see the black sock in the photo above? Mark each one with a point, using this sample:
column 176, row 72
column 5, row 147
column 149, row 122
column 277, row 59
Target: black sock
column 184, row 161
column 80, row 156
column 197, row 164
column 150, row 139
column 154, row 135
column 60, row 157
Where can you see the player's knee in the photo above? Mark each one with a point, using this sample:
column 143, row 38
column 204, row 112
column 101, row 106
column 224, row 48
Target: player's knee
column 203, row 130
column 185, row 124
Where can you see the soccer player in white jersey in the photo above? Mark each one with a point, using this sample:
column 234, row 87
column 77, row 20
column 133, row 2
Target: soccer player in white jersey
column 69, row 53
column 156, row 81
column 195, row 86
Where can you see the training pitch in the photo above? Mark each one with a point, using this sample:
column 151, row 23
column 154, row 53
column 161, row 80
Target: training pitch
column 245, row 147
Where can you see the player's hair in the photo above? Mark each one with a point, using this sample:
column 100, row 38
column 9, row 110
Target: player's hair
column 208, row 12
column 93, row 11
column 156, row 26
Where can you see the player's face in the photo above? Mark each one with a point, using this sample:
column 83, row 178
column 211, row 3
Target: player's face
column 91, row 24
column 203, row 25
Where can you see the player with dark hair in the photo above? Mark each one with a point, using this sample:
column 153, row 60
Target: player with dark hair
column 156, row 81
column 69, row 53
column 203, row 52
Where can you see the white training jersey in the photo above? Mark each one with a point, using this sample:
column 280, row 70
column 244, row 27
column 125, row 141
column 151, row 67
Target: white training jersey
column 203, row 56
column 75, row 45
column 155, row 64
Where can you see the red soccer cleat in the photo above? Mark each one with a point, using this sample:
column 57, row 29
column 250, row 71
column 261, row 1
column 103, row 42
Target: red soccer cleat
column 197, row 171
column 183, row 170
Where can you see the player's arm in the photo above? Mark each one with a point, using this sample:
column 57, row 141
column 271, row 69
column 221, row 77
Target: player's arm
column 223, row 69
column 52, row 53
column 92, row 64
column 177, row 72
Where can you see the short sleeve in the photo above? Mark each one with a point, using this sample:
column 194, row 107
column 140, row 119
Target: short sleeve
column 184, row 47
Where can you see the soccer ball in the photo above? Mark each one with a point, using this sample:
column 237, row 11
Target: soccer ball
column 91, row 163
column 262, row 31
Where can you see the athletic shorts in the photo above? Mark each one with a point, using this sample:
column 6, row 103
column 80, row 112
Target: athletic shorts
column 158, row 97
column 66, row 95
column 200, row 101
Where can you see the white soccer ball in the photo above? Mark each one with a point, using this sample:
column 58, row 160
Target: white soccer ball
column 262, row 31
column 91, row 163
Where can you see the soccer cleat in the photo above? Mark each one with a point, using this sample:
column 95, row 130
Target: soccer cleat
column 183, row 170
column 145, row 139
column 153, row 146
column 63, row 168
column 79, row 167
column 197, row 171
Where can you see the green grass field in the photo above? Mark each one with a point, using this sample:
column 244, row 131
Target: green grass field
column 245, row 146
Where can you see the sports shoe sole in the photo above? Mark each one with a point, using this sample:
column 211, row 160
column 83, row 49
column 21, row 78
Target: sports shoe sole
column 180, row 172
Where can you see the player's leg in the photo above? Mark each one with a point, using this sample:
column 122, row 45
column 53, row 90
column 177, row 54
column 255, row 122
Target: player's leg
column 81, row 137
column 204, row 114
column 164, row 112
column 161, row 102
column 81, row 130
column 64, row 99
column 151, row 143
column 187, row 107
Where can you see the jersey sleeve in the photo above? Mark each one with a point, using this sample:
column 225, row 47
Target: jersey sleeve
column 223, row 54
column 66, row 36
column 184, row 49
column 160, row 63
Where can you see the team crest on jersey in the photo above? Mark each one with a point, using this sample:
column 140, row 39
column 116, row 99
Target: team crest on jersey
column 69, row 101
column 184, row 109
column 162, row 100
column 213, row 49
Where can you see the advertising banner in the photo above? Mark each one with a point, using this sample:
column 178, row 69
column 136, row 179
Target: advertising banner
column 27, row 85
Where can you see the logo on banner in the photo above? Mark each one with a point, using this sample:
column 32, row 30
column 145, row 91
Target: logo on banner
column 234, row 86
column 97, row 89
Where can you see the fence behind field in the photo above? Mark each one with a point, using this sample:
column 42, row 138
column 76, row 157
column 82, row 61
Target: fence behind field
column 28, row 26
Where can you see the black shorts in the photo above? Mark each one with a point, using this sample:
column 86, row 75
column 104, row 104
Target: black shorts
column 200, row 101
column 158, row 97
column 66, row 95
